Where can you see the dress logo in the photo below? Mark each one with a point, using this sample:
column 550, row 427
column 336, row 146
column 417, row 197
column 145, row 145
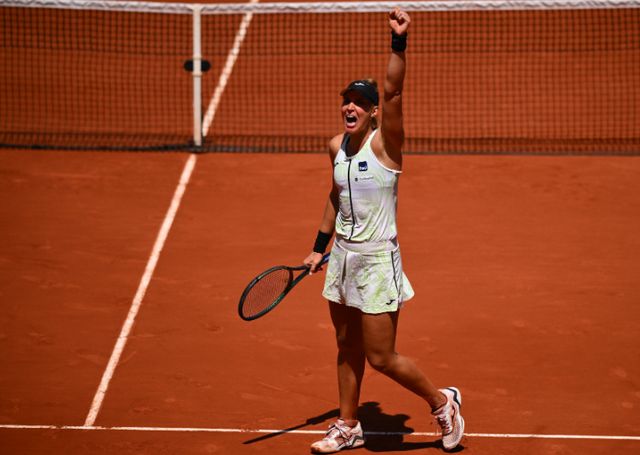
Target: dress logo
column 362, row 166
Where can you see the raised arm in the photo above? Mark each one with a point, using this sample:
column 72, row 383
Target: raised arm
column 392, row 123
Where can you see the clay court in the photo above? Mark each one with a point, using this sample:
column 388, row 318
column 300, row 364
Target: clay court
column 525, row 270
column 121, row 271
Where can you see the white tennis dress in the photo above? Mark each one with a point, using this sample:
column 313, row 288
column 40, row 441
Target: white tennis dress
column 365, row 267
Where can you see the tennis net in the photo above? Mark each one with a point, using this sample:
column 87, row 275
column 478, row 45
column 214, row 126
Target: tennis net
column 483, row 76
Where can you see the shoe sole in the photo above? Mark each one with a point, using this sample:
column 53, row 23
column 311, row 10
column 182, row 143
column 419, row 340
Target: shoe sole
column 356, row 445
column 457, row 397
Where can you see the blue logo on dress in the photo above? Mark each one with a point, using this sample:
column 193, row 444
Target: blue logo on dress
column 362, row 166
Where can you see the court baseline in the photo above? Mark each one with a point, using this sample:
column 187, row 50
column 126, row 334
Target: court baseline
column 272, row 431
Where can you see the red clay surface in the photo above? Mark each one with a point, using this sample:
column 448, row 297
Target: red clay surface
column 525, row 270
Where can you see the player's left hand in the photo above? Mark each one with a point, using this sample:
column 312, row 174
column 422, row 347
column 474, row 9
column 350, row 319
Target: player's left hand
column 399, row 21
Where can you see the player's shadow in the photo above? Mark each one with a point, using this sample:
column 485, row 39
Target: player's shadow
column 386, row 433
column 383, row 432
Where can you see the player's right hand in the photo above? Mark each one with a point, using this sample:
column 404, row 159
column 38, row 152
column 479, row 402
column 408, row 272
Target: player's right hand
column 312, row 262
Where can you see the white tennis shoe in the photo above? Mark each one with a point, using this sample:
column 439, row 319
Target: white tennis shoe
column 449, row 418
column 340, row 436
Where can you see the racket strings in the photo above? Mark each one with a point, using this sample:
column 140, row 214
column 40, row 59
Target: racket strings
column 266, row 291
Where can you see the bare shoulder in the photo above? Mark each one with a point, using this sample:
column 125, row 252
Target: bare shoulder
column 334, row 145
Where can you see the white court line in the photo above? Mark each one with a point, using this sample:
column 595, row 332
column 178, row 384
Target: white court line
column 142, row 289
column 226, row 72
column 265, row 431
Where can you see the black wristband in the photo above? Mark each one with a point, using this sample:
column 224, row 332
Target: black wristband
column 398, row 42
column 322, row 240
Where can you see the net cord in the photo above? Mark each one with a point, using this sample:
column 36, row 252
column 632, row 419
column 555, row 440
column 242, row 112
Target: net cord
column 318, row 7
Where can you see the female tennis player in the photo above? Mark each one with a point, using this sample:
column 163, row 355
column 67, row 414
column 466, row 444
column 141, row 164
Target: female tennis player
column 365, row 284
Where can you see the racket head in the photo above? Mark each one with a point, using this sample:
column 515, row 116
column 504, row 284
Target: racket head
column 264, row 292
column 268, row 289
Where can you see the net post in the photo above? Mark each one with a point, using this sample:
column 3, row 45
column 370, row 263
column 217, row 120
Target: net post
column 197, row 76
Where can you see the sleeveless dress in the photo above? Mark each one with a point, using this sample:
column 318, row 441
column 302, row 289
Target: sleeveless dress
column 365, row 267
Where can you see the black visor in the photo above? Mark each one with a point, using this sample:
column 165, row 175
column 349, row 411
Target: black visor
column 365, row 88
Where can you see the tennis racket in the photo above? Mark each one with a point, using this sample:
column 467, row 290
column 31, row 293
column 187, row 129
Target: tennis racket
column 268, row 289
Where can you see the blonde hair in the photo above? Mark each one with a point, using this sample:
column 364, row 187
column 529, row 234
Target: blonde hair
column 374, row 120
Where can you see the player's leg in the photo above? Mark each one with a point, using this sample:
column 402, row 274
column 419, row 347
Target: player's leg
column 351, row 357
column 379, row 338
column 346, row 432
